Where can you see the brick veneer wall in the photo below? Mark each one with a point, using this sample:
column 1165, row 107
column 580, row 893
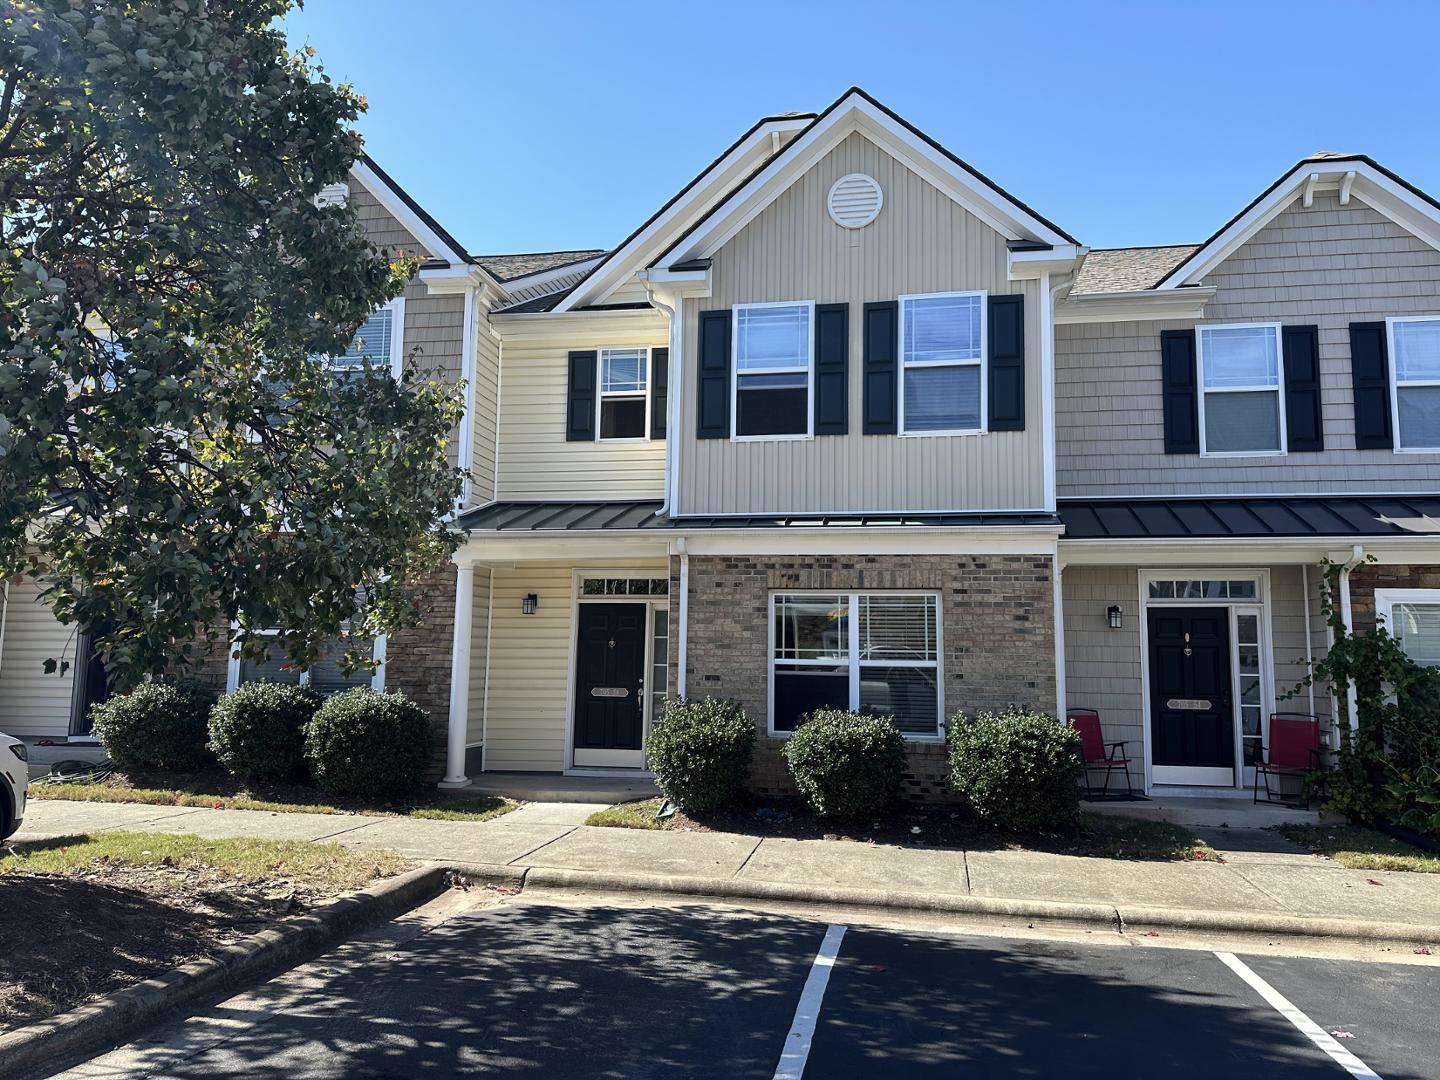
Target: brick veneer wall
column 417, row 660
column 998, row 631
column 1364, row 580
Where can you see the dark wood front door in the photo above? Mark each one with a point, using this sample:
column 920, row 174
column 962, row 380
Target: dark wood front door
column 609, row 684
column 1192, row 719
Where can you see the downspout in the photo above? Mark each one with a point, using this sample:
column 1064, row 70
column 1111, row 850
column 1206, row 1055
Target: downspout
column 1309, row 648
column 4, row 615
column 672, row 406
column 467, row 424
column 683, row 633
column 1357, row 556
column 1047, row 384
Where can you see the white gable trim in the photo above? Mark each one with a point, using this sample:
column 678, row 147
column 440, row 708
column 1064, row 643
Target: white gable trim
column 855, row 112
column 397, row 208
column 703, row 192
column 1349, row 177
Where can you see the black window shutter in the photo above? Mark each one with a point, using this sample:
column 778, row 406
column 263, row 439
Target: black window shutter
column 882, row 367
column 580, row 417
column 1007, row 363
column 1177, row 374
column 659, row 391
column 1370, row 373
column 832, row 369
column 713, row 376
column 1304, row 426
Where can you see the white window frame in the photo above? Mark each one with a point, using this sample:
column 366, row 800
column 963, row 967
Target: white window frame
column 377, row 679
column 853, row 662
column 396, row 307
column 1386, row 599
column 735, row 372
column 602, row 395
column 1394, row 376
column 983, row 363
column 1278, row 389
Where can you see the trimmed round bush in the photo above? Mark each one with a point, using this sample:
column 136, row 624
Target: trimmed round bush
column 700, row 753
column 367, row 744
column 1017, row 769
column 258, row 732
column 158, row 725
column 847, row 766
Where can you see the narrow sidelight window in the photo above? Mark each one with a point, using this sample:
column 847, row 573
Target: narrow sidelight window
column 622, row 393
column 1415, row 351
column 1241, row 411
column 773, row 347
column 869, row 652
column 942, row 353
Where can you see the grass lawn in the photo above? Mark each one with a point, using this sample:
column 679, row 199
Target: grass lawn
column 1105, row 836
column 116, row 908
column 1361, row 849
column 293, row 799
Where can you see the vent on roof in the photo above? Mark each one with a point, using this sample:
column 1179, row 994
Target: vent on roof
column 333, row 195
column 855, row 201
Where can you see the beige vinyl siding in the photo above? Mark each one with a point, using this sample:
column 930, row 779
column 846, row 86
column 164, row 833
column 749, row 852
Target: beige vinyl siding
column 32, row 703
column 1325, row 265
column 382, row 229
column 1102, row 666
column 479, row 656
column 486, row 396
column 922, row 242
column 530, row 664
column 631, row 292
column 536, row 462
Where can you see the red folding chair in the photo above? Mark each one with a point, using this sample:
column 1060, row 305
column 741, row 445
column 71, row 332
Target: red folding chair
column 1096, row 753
column 1293, row 753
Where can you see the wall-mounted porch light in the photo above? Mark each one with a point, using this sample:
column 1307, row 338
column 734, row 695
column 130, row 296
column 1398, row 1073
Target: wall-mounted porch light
column 529, row 604
column 1113, row 616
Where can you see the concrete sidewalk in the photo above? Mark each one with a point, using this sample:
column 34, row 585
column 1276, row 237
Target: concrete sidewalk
column 1258, row 879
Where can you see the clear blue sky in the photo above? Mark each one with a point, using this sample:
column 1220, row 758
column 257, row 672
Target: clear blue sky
column 540, row 126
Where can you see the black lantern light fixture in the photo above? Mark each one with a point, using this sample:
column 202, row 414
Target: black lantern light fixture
column 530, row 603
column 1113, row 615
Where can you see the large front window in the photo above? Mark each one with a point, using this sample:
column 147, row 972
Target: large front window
column 869, row 652
column 324, row 675
column 942, row 351
column 1241, row 410
column 772, row 370
column 1412, row 616
column 1415, row 344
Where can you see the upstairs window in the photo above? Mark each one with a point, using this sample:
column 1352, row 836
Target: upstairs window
column 1415, row 348
column 773, row 346
column 942, row 351
column 376, row 344
column 1240, row 407
column 623, row 400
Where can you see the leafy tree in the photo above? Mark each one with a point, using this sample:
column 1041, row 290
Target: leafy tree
column 174, row 456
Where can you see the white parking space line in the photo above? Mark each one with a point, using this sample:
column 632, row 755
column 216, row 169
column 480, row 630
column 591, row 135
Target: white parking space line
column 802, row 1030
column 1281, row 1004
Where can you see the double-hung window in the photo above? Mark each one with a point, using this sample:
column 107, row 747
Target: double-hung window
column 773, row 346
column 1413, row 616
column 869, row 652
column 942, row 351
column 623, row 401
column 1415, row 351
column 324, row 675
column 376, row 344
column 1241, row 411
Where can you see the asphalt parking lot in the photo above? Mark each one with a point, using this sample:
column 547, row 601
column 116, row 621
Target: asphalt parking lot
column 532, row 988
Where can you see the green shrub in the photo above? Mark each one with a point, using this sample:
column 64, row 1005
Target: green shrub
column 367, row 744
column 158, row 725
column 700, row 753
column 258, row 732
column 846, row 765
column 1017, row 769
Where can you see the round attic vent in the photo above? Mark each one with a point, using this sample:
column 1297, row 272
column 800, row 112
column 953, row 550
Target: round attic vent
column 855, row 201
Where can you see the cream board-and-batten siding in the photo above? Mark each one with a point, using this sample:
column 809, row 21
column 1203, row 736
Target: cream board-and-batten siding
column 921, row 242
column 33, row 703
column 1326, row 265
column 530, row 663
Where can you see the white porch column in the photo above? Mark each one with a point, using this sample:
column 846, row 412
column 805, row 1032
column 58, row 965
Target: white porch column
column 460, row 678
column 1059, row 602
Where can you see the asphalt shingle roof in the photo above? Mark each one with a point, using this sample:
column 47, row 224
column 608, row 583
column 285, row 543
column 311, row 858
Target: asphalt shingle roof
column 509, row 267
column 1109, row 270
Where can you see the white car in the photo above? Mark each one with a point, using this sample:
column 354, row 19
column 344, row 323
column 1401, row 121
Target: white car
column 14, row 778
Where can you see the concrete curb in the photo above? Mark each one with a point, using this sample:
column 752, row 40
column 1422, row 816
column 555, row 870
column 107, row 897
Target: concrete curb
column 1052, row 912
column 119, row 1016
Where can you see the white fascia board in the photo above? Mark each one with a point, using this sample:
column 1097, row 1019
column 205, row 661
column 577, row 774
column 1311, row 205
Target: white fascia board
column 1032, row 265
column 713, row 185
column 1361, row 179
column 748, row 201
column 677, row 282
column 451, row 279
column 1148, row 305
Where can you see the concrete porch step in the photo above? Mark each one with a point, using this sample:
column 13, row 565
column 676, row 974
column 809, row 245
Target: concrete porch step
column 1211, row 812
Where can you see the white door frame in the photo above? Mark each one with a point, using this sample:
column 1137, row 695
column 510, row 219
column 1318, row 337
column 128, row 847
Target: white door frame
column 601, row 762
column 1238, row 772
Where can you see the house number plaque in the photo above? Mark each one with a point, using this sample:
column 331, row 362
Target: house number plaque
column 1185, row 704
column 609, row 691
